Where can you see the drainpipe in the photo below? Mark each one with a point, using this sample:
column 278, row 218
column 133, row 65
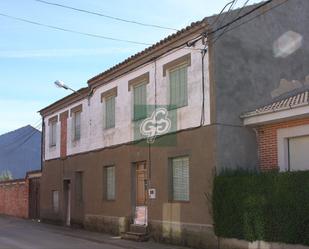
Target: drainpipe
column 42, row 143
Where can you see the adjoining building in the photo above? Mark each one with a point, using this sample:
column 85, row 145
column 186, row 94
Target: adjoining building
column 106, row 169
column 20, row 151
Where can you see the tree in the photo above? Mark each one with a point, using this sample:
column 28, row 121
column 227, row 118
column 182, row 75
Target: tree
column 6, row 175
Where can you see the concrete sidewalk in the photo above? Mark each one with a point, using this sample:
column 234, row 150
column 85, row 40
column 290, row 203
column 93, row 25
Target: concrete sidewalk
column 26, row 234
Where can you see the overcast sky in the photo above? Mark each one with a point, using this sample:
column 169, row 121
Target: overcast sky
column 33, row 57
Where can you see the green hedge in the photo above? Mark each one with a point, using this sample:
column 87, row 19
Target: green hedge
column 269, row 207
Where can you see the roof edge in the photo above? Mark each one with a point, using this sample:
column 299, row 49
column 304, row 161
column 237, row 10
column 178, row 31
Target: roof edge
column 70, row 99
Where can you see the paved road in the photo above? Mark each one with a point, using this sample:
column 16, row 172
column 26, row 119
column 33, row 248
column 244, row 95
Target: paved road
column 27, row 234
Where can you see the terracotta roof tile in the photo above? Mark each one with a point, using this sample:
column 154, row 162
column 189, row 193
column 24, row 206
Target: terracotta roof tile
column 299, row 99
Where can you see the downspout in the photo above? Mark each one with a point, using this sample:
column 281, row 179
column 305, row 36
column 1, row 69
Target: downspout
column 42, row 143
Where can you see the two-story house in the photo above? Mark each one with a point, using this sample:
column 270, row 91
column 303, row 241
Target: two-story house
column 103, row 170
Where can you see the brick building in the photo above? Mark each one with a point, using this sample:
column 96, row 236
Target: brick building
column 282, row 133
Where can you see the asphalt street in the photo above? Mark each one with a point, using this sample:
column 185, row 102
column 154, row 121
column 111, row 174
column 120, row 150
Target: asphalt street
column 26, row 234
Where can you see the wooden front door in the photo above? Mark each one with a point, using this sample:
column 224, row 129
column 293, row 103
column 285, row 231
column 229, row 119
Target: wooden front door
column 141, row 194
column 34, row 198
column 141, row 184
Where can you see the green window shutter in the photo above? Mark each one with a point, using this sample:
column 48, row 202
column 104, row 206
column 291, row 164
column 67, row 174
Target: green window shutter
column 53, row 134
column 76, row 125
column 110, row 112
column 180, row 179
column 110, row 183
column 139, row 102
column 178, row 87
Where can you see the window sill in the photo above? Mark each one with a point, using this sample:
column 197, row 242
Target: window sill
column 109, row 128
column 173, row 107
column 139, row 119
column 109, row 200
column 181, row 202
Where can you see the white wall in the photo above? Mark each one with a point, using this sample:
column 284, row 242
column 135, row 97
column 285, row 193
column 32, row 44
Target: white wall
column 93, row 134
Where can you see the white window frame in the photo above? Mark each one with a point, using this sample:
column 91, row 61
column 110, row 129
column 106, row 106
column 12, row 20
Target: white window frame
column 283, row 135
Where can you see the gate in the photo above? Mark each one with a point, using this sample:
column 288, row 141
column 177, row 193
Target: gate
column 34, row 198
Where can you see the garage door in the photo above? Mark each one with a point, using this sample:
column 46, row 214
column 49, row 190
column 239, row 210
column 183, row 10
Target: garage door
column 299, row 153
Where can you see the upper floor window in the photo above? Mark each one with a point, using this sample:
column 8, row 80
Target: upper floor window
column 178, row 80
column 139, row 86
column 76, row 122
column 139, row 102
column 178, row 87
column 109, row 99
column 53, row 131
column 110, row 112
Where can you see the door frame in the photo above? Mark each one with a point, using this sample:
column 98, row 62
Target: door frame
column 134, row 188
column 67, row 201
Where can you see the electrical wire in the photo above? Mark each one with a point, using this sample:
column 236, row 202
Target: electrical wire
column 105, row 16
column 219, row 15
column 251, row 19
column 71, row 30
column 227, row 13
column 24, row 141
column 237, row 15
column 20, row 136
column 239, row 18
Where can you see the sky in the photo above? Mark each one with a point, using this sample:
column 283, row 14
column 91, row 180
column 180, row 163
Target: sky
column 33, row 57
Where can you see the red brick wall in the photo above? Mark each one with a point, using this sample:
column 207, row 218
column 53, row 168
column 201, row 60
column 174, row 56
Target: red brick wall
column 14, row 198
column 63, row 133
column 267, row 139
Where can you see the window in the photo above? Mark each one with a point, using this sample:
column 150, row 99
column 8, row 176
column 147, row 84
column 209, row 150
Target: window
column 178, row 86
column 76, row 125
column 180, row 179
column 55, row 201
column 110, row 112
column 79, row 187
column 139, row 101
column 53, row 133
column 110, row 182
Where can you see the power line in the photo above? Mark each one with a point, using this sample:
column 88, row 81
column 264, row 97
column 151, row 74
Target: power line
column 24, row 141
column 225, row 30
column 227, row 13
column 106, row 16
column 20, row 136
column 254, row 17
column 72, row 31
column 239, row 18
column 219, row 15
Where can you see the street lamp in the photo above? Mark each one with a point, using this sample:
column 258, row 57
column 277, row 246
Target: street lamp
column 61, row 84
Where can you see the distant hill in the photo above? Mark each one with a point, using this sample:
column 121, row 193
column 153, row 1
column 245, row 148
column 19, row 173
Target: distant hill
column 20, row 151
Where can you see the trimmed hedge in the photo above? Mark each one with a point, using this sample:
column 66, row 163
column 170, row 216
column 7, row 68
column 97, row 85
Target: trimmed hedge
column 273, row 207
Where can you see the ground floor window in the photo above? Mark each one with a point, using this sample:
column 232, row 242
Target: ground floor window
column 110, row 183
column 55, row 200
column 298, row 153
column 79, row 187
column 179, row 178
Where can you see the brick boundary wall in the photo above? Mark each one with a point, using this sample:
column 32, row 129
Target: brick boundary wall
column 14, row 198
column 267, row 142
